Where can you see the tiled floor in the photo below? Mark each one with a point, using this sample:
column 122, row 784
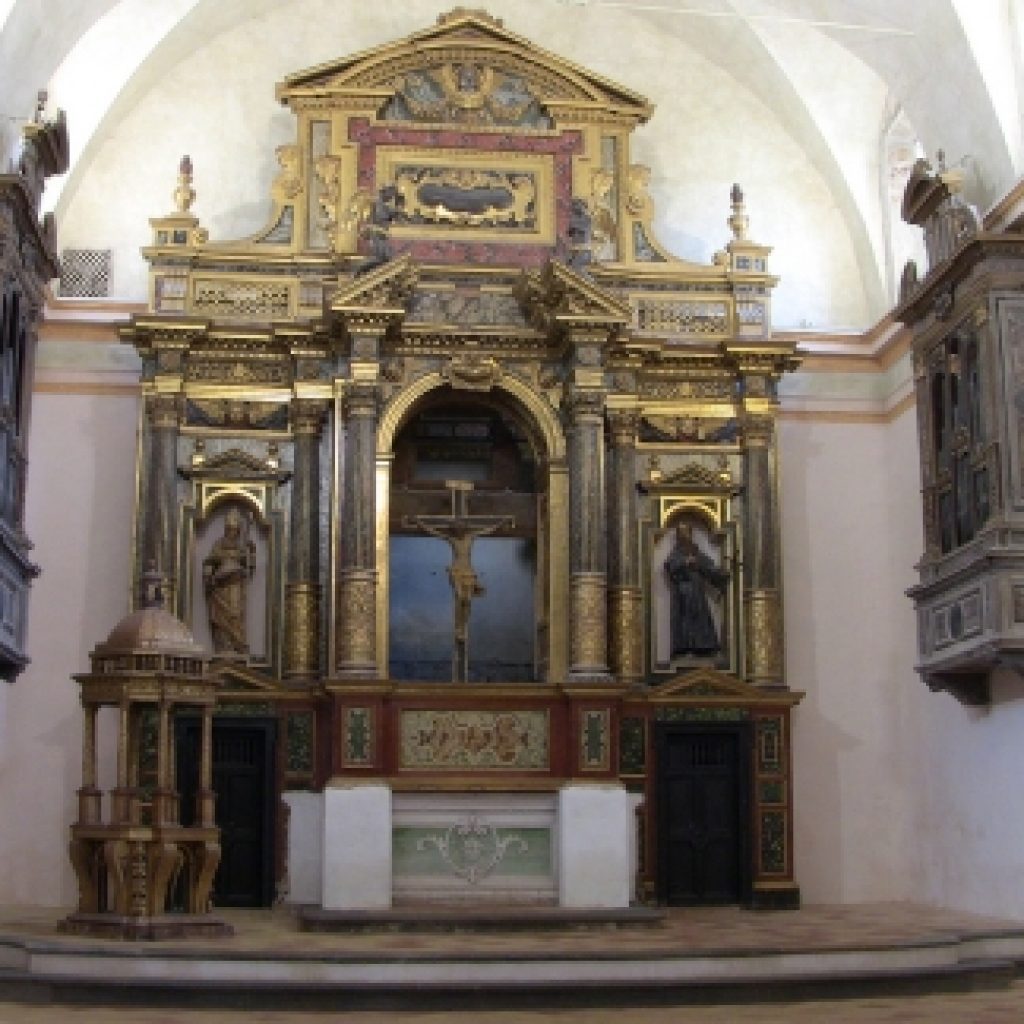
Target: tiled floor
column 1005, row 1007
column 703, row 929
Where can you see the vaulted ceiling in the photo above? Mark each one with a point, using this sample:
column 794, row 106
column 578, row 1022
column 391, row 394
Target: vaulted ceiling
column 834, row 74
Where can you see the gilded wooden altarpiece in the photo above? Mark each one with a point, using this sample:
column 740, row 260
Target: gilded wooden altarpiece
column 459, row 225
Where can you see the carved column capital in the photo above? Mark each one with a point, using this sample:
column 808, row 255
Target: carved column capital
column 584, row 404
column 308, row 416
column 622, row 428
column 361, row 400
column 758, row 429
column 164, row 411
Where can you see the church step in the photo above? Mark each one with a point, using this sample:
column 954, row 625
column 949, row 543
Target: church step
column 475, row 918
column 452, row 988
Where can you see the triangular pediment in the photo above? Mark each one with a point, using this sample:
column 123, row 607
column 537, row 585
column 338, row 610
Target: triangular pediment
column 468, row 62
column 558, row 296
column 382, row 291
column 712, row 685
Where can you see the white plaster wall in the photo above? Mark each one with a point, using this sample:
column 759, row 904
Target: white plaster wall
column 851, row 535
column 79, row 502
column 969, row 846
column 216, row 103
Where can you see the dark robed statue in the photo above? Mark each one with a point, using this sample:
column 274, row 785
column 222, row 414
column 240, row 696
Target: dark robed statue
column 691, row 574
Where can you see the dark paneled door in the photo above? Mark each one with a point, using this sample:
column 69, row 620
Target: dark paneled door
column 703, row 813
column 243, row 779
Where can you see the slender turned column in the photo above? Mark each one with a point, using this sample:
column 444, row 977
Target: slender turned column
column 357, row 583
column 761, row 602
column 588, row 584
column 205, row 797
column 162, row 493
column 121, row 796
column 89, row 795
column 625, row 603
column 302, row 591
column 163, row 797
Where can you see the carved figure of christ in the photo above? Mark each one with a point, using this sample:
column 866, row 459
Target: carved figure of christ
column 460, row 529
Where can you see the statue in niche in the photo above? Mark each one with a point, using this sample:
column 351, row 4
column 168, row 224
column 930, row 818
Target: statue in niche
column 227, row 570
column 691, row 574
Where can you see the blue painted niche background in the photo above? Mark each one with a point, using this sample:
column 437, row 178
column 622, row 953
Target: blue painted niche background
column 501, row 625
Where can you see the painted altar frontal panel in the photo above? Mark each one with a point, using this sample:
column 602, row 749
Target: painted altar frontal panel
column 474, row 740
column 474, row 846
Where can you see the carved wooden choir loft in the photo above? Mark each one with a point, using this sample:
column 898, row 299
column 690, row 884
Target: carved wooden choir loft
column 967, row 315
column 469, row 488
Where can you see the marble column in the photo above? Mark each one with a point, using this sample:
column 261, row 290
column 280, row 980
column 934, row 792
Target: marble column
column 357, row 582
column 761, row 600
column 588, row 583
column 161, row 524
column 625, row 602
column 302, row 590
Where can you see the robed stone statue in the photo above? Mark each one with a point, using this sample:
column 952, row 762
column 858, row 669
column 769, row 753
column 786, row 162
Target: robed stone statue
column 227, row 570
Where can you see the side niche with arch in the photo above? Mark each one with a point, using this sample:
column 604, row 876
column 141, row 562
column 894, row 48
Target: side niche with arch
column 230, row 550
column 692, row 560
column 481, row 441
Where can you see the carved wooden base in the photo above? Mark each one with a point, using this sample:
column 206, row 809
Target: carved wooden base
column 130, row 874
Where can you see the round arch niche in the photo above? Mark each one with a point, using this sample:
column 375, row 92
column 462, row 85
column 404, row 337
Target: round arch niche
column 483, row 441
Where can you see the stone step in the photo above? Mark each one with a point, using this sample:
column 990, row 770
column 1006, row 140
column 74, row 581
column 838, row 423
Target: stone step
column 454, row 918
column 452, row 989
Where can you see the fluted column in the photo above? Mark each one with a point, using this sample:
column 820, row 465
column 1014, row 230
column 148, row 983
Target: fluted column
column 588, row 582
column 357, row 577
column 302, row 590
column 159, row 543
column 761, row 599
column 625, row 602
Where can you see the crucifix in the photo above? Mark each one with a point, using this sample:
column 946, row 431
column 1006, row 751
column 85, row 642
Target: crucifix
column 460, row 529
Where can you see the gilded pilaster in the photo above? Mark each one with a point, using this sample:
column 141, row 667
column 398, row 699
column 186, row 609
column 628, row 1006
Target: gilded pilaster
column 761, row 600
column 302, row 591
column 357, row 578
column 626, row 625
column 160, row 533
column 625, row 603
column 588, row 583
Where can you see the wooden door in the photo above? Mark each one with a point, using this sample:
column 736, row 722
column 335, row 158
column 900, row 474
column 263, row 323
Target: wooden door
column 703, row 813
column 243, row 780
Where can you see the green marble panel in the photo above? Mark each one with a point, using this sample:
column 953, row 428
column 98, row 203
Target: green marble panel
column 299, row 750
column 471, row 850
column 632, row 753
column 773, row 842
